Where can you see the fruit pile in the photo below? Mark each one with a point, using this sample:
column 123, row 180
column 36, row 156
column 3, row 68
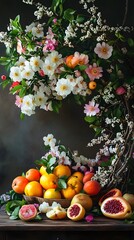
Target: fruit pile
column 61, row 183
column 78, row 187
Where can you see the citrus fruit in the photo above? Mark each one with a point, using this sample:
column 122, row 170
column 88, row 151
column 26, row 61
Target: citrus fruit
column 78, row 175
column 62, row 170
column 68, row 193
column 76, row 212
column 84, row 199
column 34, row 188
column 92, row 85
column 92, row 187
column 75, row 183
column 116, row 207
column 52, row 193
column 19, row 183
column 49, row 181
column 33, row 174
column 87, row 176
column 74, row 186
column 43, row 170
column 27, row 212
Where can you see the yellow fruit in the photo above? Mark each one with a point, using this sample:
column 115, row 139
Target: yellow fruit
column 62, row 170
column 78, row 175
column 52, row 193
column 84, row 199
column 43, row 170
column 48, row 181
column 76, row 212
column 56, row 213
column 33, row 188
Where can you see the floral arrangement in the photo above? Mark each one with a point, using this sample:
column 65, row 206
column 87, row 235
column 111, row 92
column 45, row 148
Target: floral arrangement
column 66, row 55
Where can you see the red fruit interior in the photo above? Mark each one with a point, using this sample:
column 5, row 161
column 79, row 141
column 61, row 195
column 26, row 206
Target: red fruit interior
column 109, row 194
column 74, row 210
column 113, row 206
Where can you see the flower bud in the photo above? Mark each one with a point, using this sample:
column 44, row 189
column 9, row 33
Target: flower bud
column 120, row 90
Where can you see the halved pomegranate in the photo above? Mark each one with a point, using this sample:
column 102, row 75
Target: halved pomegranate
column 115, row 192
column 116, row 207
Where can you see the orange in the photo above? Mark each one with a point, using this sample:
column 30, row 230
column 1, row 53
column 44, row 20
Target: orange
column 48, row 181
column 62, row 170
column 78, row 175
column 33, row 188
column 19, row 183
column 43, row 170
column 52, row 193
column 33, row 174
column 87, row 176
column 92, row 187
column 68, row 193
column 92, row 85
column 74, row 186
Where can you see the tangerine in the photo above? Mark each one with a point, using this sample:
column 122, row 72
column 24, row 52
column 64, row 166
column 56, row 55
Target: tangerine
column 48, row 181
column 33, row 174
column 62, row 170
column 52, row 193
column 75, row 183
column 92, row 187
column 92, row 85
column 69, row 61
column 78, row 175
column 19, row 184
column 33, row 188
column 87, row 177
column 68, row 193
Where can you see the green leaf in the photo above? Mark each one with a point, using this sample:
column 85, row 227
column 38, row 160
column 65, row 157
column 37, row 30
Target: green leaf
column 80, row 18
column 91, row 119
column 130, row 42
column 56, row 105
column 52, row 161
column 62, row 184
column 69, row 14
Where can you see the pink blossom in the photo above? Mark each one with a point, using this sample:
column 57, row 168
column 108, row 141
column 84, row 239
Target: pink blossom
column 54, row 20
column 79, row 59
column 89, row 218
column 120, row 90
column 94, row 72
column 20, row 48
column 77, row 73
column 41, row 73
column 103, row 50
column 91, row 109
column 18, row 101
column 50, row 45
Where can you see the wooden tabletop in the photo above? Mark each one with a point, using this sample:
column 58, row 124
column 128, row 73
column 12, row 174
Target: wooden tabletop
column 98, row 224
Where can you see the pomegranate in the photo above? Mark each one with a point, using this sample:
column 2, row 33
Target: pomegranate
column 76, row 212
column 116, row 207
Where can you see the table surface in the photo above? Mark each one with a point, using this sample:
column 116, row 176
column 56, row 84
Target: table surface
column 99, row 224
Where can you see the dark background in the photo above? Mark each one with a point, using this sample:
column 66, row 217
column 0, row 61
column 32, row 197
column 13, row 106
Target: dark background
column 21, row 141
